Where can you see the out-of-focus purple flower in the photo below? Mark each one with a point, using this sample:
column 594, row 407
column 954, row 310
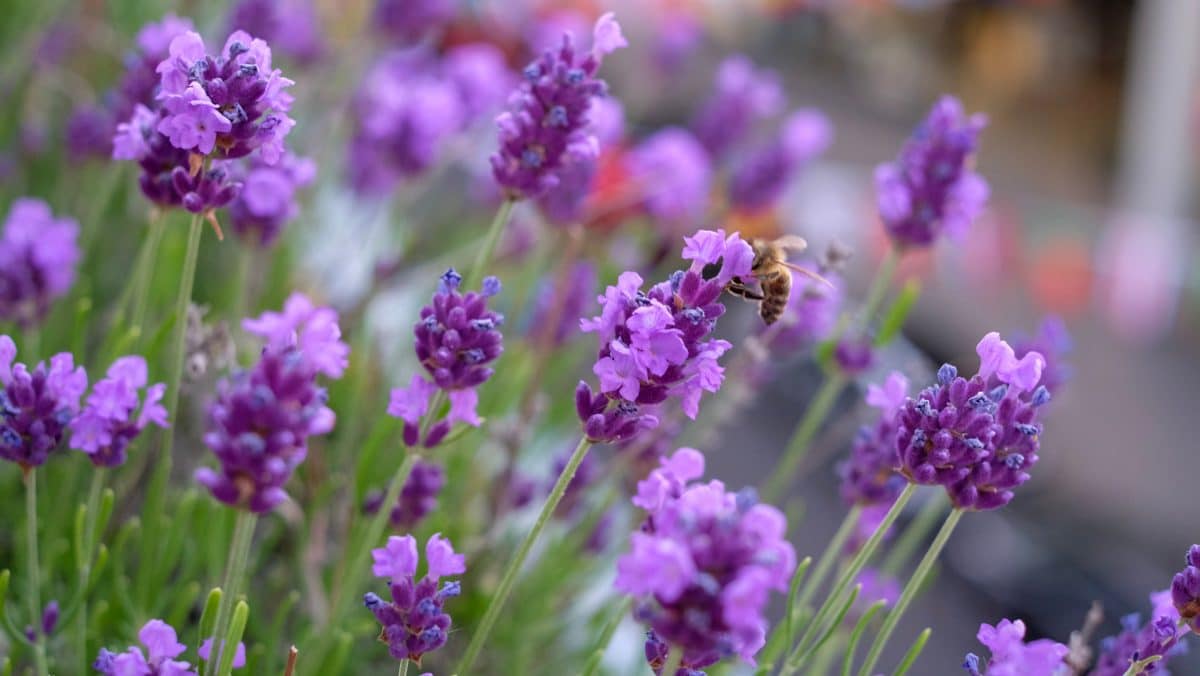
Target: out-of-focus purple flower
column 1185, row 589
column 547, row 30
column 36, row 406
column 854, row 355
column 760, row 179
column 154, row 39
column 977, row 442
column 409, row 20
column 456, row 337
column 655, row 345
column 311, row 329
column 1137, row 642
column 89, row 132
column 1053, row 342
column 414, row 622
column 239, row 654
column 38, row 257
column 869, row 475
column 50, row 618
column 556, row 311
column 675, row 174
column 657, row 653
column 162, row 647
column 259, row 426
column 290, row 25
column 567, row 202
column 267, row 200
column 481, row 76
column 742, row 95
column 930, row 189
column 547, row 126
column 678, row 35
column 876, row 586
column 111, row 418
column 417, row 499
column 1012, row 656
column 704, row 563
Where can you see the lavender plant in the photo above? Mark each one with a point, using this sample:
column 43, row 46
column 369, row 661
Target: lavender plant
column 548, row 432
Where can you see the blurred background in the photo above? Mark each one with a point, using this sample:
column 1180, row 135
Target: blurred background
column 1093, row 119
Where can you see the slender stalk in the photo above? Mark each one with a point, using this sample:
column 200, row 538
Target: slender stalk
column 242, row 286
column 828, row 557
column 797, row 448
column 514, row 566
column 31, row 544
column 920, row 527
column 85, row 568
column 475, row 274
column 144, row 273
column 235, row 572
column 403, row 668
column 156, row 493
column 910, row 592
column 803, row 648
column 879, row 285
column 610, row 629
column 674, row 659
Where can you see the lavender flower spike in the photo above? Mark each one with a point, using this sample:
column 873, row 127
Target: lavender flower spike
column 869, row 475
column 108, row 424
column 547, row 127
column 930, row 189
column 1012, row 656
column 742, row 96
column 38, row 257
column 36, row 406
column 1185, row 589
column 414, row 622
column 313, row 330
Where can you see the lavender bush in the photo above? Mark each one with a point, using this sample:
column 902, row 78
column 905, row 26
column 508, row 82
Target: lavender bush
column 265, row 449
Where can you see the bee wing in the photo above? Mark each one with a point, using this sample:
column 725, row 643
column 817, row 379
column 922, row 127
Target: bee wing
column 792, row 243
column 808, row 273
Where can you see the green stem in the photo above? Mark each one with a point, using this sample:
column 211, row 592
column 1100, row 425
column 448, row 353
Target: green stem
column 156, row 493
column 914, row 535
column 31, row 543
column 475, row 275
column 144, row 273
column 910, row 592
column 514, row 566
column 797, row 448
column 830, row 555
column 804, row 648
column 674, row 659
column 879, row 285
column 235, row 572
column 610, row 629
column 403, row 668
column 241, row 283
column 85, row 569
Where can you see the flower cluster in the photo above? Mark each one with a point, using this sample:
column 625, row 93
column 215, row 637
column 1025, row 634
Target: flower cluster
column 547, row 127
column 108, row 424
column 930, row 189
column 38, row 257
column 577, row 198
column 1185, row 589
column 655, row 345
column 414, row 622
column 262, row 418
column 1012, row 656
column 456, row 337
column 677, row 174
column 704, row 563
column 408, row 20
column 743, row 95
column 1136, row 642
column 162, row 647
column 36, row 406
column 869, row 475
column 412, row 101
column 759, row 179
column 978, row 443
column 290, row 25
column 267, row 200
column 417, row 499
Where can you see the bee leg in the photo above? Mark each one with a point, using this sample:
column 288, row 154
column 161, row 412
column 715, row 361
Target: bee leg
column 740, row 289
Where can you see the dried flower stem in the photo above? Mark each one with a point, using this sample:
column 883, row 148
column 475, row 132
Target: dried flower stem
column 34, row 592
column 235, row 572
column 514, row 566
column 911, row 588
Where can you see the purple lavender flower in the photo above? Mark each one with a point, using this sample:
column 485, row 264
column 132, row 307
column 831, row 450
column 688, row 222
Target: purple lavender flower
column 162, row 647
column 546, row 130
column 417, row 499
column 108, row 424
column 704, row 563
column 292, row 26
column 977, row 442
column 657, row 653
column 1053, row 341
column 854, row 355
column 259, row 426
column 312, row 330
column 36, row 407
column 38, row 257
column 675, row 173
column 567, row 202
column 556, row 311
column 1185, row 589
column 481, row 76
column 760, row 179
column 414, row 622
column 89, row 132
column 743, row 95
column 456, row 337
column 409, row 20
column 233, row 104
column 655, row 346
column 1137, row 642
column 930, row 189
column 1012, row 656
column 869, row 475
column 267, row 200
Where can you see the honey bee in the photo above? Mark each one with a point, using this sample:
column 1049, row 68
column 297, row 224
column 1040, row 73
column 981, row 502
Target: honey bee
column 771, row 269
